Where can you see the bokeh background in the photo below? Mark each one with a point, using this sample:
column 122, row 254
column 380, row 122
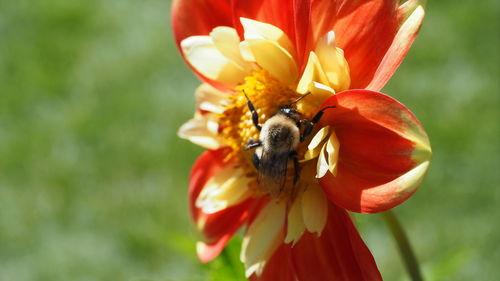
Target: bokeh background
column 93, row 178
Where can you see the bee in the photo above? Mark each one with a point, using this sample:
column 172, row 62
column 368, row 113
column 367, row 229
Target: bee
column 279, row 139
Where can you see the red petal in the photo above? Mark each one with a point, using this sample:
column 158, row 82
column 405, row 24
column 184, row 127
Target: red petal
column 367, row 31
column 276, row 12
column 400, row 46
column 339, row 254
column 199, row 17
column 381, row 143
column 291, row 16
column 207, row 165
column 217, row 228
column 227, row 221
column 302, row 21
column 278, row 268
column 220, row 227
column 207, row 252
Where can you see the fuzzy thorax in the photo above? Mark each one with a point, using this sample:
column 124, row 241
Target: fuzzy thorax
column 280, row 134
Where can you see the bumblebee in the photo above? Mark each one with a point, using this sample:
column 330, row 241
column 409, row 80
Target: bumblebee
column 278, row 141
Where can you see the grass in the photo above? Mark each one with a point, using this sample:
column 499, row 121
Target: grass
column 93, row 177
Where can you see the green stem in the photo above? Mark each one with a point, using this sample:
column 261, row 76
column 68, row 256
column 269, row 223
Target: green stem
column 227, row 260
column 404, row 246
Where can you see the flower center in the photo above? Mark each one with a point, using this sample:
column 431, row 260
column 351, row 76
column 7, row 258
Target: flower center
column 268, row 95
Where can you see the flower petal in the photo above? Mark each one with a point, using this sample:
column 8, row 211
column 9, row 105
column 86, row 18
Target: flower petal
column 227, row 41
column 312, row 73
column 399, row 48
column 275, row 59
column 322, row 165
column 208, row 251
column 263, row 237
column 202, row 130
column 227, row 188
column 274, row 12
column 295, row 222
column 219, row 227
column 319, row 137
column 260, row 30
column 333, row 63
column 384, row 151
column 338, row 254
column 204, row 56
column 314, row 147
column 291, row 16
column 199, row 17
column 314, row 80
column 333, row 148
column 314, row 208
column 210, row 99
column 367, row 32
column 278, row 268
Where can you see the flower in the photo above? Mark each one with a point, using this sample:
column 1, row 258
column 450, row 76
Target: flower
column 367, row 155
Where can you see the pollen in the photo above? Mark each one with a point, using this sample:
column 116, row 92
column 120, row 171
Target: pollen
column 267, row 94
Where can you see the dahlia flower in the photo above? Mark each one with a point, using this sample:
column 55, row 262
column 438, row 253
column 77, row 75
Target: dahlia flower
column 367, row 153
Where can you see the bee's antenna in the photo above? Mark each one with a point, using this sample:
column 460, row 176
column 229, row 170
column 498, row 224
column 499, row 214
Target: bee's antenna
column 297, row 100
column 255, row 115
column 245, row 95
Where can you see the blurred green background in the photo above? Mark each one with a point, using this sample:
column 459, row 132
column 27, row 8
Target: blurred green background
column 93, row 178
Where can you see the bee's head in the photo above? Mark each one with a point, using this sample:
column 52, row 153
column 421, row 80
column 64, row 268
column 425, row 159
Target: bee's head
column 290, row 112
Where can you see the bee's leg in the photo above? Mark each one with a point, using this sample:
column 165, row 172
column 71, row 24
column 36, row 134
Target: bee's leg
column 252, row 144
column 256, row 161
column 310, row 124
column 296, row 167
column 307, row 129
column 306, row 124
column 255, row 115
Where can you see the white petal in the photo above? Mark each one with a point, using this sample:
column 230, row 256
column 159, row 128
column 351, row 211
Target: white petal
column 263, row 237
column 317, row 87
column 412, row 179
column 275, row 59
column 313, row 149
column 227, row 41
column 246, row 51
column 312, row 73
column 332, row 148
column 315, row 82
column 210, row 99
column 319, row 137
column 333, row 62
column 314, row 208
column 227, row 188
column 202, row 130
column 322, row 166
column 318, row 94
column 259, row 30
column 212, row 123
column 295, row 222
column 203, row 55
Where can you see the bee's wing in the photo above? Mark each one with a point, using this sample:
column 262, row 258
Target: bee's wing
column 272, row 172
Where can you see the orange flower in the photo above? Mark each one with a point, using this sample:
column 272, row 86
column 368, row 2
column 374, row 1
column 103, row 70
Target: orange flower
column 367, row 152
